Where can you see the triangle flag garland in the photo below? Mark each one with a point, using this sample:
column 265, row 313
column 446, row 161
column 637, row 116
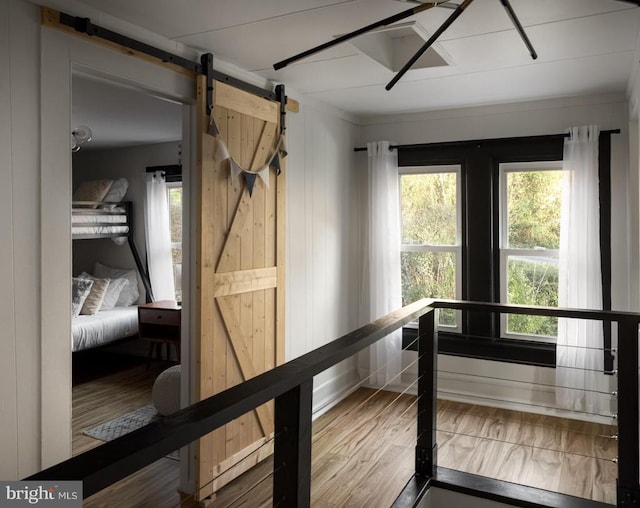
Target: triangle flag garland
column 213, row 128
column 250, row 180
column 264, row 174
column 221, row 154
column 236, row 170
column 275, row 164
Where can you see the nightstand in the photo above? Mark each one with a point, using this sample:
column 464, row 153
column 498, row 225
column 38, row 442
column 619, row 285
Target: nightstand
column 159, row 323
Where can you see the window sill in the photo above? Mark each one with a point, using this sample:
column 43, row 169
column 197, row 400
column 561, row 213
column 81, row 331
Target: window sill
column 524, row 352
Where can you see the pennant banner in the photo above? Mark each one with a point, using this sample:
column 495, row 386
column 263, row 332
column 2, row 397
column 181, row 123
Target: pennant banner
column 221, row 154
column 250, row 180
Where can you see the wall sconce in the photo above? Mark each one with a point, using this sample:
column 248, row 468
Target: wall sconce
column 79, row 136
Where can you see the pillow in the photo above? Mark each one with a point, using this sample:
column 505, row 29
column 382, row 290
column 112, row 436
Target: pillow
column 117, row 191
column 129, row 294
column 94, row 190
column 114, row 289
column 94, row 300
column 80, row 289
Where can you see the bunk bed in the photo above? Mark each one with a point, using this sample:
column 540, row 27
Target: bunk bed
column 92, row 220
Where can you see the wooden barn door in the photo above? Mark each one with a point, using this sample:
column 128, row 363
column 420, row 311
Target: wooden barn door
column 240, row 270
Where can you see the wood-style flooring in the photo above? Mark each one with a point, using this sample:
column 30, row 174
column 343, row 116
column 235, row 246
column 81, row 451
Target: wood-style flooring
column 363, row 449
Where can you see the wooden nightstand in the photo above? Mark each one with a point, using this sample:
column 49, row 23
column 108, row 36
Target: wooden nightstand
column 159, row 323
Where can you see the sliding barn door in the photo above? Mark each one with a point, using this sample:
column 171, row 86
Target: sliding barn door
column 240, row 270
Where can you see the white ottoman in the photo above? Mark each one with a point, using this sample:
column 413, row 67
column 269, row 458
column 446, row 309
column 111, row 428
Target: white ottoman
column 166, row 391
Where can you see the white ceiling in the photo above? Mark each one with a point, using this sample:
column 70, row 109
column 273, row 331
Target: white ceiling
column 584, row 46
column 122, row 116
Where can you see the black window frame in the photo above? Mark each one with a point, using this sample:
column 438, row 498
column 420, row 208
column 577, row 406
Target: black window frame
column 480, row 162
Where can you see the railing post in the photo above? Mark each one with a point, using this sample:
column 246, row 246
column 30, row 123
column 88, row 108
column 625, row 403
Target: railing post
column 292, row 453
column 427, row 447
column 628, row 413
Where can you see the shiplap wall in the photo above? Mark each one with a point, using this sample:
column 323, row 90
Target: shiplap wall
column 529, row 119
column 467, row 379
column 323, row 260
column 20, row 233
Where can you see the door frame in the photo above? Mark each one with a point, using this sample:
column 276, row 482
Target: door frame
column 61, row 54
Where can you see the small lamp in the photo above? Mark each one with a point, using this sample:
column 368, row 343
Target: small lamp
column 79, row 136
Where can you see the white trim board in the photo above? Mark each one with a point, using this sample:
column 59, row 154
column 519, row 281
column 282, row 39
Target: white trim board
column 61, row 54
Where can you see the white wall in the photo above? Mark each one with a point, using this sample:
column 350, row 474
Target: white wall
column 35, row 259
column 322, row 216
column 130, row 163
column 20, row 233
column 634, row 172
column 526, row 119
column 322, row 266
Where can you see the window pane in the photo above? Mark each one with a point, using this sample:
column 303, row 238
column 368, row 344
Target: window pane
column 533, row 204
column 428, row 203
column 429, row 275
column 175, row 219
column 532, row 281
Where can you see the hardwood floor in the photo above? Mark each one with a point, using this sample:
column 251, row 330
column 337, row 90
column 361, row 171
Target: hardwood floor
column 96, row 400
column 363, row 449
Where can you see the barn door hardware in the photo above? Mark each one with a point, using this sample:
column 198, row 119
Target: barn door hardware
column 85, row 26
column 421, row 6
column 282, row 99
column 206, row 61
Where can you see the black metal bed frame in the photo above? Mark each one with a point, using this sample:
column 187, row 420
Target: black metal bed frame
column 128, row 207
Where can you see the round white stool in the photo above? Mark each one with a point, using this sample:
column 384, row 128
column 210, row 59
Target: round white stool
column 166, row 391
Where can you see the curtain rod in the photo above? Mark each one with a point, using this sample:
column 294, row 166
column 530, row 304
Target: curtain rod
column 565, row 135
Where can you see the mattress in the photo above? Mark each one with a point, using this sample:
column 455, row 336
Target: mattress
column 104, row 327
column 84, row 218
column 99, row 230
column 99, row 222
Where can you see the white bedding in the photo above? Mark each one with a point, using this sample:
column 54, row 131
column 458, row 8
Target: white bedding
column 104, row 327
column 93, row 222
column 112, row 219
column 99, row 230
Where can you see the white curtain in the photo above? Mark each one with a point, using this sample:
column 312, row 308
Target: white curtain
column 158, row 237
column 580, row 359
column 381, row 262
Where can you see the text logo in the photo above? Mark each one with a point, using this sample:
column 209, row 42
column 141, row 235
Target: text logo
column 48, row 494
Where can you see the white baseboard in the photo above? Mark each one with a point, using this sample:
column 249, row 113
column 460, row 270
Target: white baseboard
column 505, row 394
column 330, row 392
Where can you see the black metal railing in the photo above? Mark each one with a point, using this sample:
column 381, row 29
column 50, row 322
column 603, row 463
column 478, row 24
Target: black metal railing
column 628, row 486
column 291, row 386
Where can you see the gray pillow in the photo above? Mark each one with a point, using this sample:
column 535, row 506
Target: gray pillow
column 80, row 289
column 129, row 294
column 117, row 191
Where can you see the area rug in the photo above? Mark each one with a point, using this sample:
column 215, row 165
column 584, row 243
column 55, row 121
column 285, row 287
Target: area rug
column 126, row 423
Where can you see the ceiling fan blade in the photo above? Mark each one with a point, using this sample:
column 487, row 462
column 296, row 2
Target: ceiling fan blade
column 516, row 22
column 459, row 10
column 634, row 2
column 360, row 31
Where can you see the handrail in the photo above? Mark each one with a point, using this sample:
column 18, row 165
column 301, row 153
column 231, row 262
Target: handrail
column 291, row 386
column 102, row 466
column 535, row 310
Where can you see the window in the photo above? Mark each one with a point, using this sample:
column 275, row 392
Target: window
column 174, row 191
column 530, row 204
column 488, row 256
column 431, row 237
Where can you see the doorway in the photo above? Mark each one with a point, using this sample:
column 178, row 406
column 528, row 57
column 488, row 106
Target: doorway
column 125, row 130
